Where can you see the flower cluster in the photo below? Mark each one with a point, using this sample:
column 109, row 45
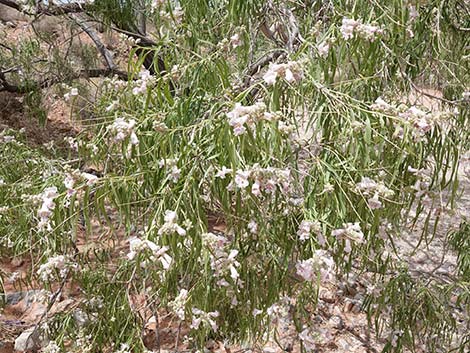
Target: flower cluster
column 421, row 121
column 373, row 190
column 320, row 264
column 308, row 227
column 349, row 27
column 178, row 305
column 170, row 226
column 158, row 253
column 242, row 116
column 222, row 261
column 61, row 263
column 141, row 84
column 123, row 129
column 265, row 180
column 47, row 207
column 323, row 49
column 350, row 231
column 205, row 318
column 291, row 72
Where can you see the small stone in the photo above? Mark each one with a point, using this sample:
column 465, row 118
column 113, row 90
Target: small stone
column 336, row 322
column 17, row 262
column 28, row 340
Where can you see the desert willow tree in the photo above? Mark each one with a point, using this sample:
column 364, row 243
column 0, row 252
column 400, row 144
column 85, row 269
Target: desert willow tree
column 254, row 152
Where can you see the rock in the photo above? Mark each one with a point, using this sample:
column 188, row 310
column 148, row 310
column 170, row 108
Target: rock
column 28, row 297
column 28, row 340
column 17, row 262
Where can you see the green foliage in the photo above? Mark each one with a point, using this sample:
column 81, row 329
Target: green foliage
column 213, row 142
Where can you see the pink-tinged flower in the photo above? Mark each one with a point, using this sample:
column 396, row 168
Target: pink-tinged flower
column 306, row 269
column 241, row 178
column 253, row 227
column 348, row 27
column 291, row 72
column 323, row 49
column 235, row 40
column 307, row 227
column 350, row 231
column 223, row 172
column 374, row 202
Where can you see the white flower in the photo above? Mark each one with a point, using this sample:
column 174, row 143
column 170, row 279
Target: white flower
column 253, row 227
column 170, row 226
column 291, row 72
column 350, row 231
column 223, row 172
column 122, row 129
column 47, row 207
column 348, row 27
column 374, row 202
column 158, row 253
column 306, row 269
column 178, row 305
column 306, row 227
column 60, row 263
column 241, row 178
column 242, row 116
column 201, row 317
column 235, row 40
column 323, row 49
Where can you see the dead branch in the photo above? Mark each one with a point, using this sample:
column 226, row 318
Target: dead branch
column 5, row 86
column 105, row 53
column 48, row 10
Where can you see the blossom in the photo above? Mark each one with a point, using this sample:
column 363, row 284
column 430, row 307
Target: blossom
column 222, row 262
column 320, row 264
column 365, row 31
column 323, row 49
column 47, row 207
column 348, row 26
column 141, row 84
column 170, row 226
column 205, row 318
column 235, row 40
column 241, row 116
column 137, row 245
column 123, row 129
column 350, row 231
column 214, row 241
column 61, row 263
column 253, row 227
column 291, row 72
column 306, row 227
column 223, row 172
column 382, row 106
column 178, row 305
column 241, row 178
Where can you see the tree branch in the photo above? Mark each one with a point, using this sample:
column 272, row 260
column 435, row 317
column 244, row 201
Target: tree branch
column 108, row 57
column 89, row 73
column 50, row 9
